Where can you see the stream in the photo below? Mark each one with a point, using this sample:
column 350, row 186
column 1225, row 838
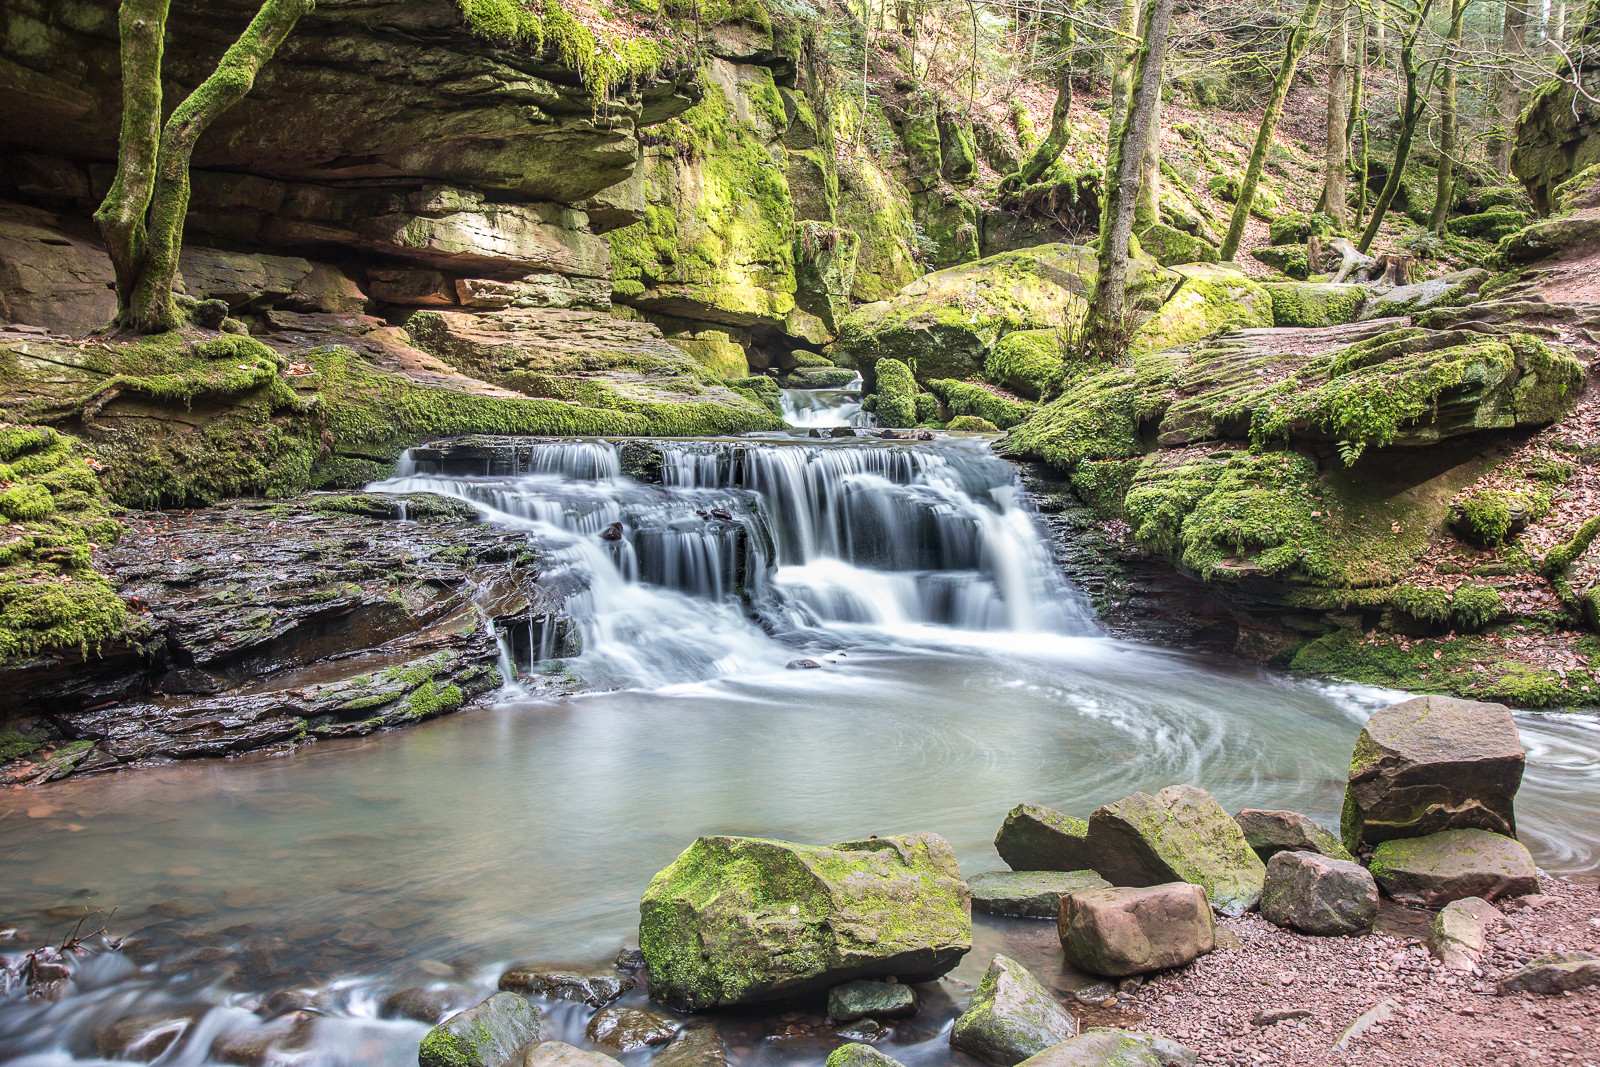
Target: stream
column 809, row 640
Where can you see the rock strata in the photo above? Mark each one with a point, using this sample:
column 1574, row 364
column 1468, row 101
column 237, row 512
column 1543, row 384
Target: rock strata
column 1127, row 931
column 1011, row 1017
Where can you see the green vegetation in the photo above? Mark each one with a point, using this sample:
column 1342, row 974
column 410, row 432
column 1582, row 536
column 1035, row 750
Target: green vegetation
column 896, row 396
column 965, row 398
column 603, row 58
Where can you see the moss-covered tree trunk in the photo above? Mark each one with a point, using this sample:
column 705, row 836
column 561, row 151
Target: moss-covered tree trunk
column 1104, row 328
column 1147, row 209
column 1049, row 150
column 1336, row 160
column 1299, row 38
column 1124, row 47
column 1412, row 104
column 142, row 216
column 1358, row 117
column 1448, row 134
column 1507, row 97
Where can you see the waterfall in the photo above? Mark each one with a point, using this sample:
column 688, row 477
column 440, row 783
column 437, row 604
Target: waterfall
column 750, row 550
column 807, row 408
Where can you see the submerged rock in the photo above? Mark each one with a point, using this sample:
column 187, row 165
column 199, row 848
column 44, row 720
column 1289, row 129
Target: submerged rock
column 695, row 1046
column 864, row 998
column 1433, row 763
column 1106, row 1047
column 488, row 1035
column 629, row 1029
column 1316, row 894
column 738, row 920
column 1179, row 835
column 1028, row 894
column 1011, row 1017
column 1035, row 838
column 1434, row 870
column 1120, row 932
column 1272, row 832
column 422, row 1005
column 596, row 988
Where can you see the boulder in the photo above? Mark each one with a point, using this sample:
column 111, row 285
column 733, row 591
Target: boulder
column 737, row 920
column 865, row 998
column 1039, row 839
column 488, row 1035
column 1434, row 870
column 1443, row 291
column 1272, row 832
column 1316, row 894
column 1028, row 894
column 1432, row 763
column 1292, row 260
column 1179, row 835
column 595, row 987
column 1555, row 973
column 695, row 1046
column 1459, row 933
column 1119, row 932
column 1106, row 1047
column 561, row 1054
column 1211, row 298
column 629, row 1029
column 857, row 1054
column 1011, row 1017
column 1315, row 303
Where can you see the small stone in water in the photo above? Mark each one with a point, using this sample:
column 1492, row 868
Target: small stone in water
column 612, row 532
column 803, row 665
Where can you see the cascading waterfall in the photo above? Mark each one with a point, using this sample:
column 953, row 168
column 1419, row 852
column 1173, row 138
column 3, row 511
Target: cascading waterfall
column 750, row 550
column 823, row 408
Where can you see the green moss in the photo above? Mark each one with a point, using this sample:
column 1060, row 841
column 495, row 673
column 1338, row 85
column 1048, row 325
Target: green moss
column 1098, row 416
column 603, row 58
column 1488, row 514
column 1424, row 605
column 971, row 424
column 1028, row 362
column 15, row 745
column 1315, row 304
column 1211, row 300
column 964, row 398
column 896, row 396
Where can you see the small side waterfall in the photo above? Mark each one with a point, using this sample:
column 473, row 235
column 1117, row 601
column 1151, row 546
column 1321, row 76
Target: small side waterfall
column 822, row 408
column 749, row 550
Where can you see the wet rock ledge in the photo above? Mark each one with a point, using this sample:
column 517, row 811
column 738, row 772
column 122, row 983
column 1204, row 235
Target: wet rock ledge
column 263, row 625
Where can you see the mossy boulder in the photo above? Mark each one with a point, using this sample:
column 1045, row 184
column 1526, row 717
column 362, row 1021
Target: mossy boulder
column 896, row 399
column 491, row 1034
column 1552, row 136
column 970, row 400
column 1035, row 838
column 1169, row 246
column 1575, row 236
column 1315, row 303
column 1028, row 362
column 737, row 920
column 1291, row 260
column 858, row 1054
column 1011, row 1017
column 1211, row 299
column 1433, row 763
column 1108, row 1047
column 1447, row 290
column 971, row 424
column 1452, row 865
column 1293, row 228
column 1490, row 225
column 1180, row 834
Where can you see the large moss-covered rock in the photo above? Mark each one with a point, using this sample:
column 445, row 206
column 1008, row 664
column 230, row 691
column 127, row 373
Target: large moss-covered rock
column 1210, row 299
column 738, row 920
column 1433, row 763
column 1107, row 1047
column 1554, row 136
column 1181, row 834
column 874, row 207
column 1170, row 246
column 488, row 1035
column 1011, row 1017
column 1028, row 362
column 1315, row 303
column 1432, row 871
column 1035, row 838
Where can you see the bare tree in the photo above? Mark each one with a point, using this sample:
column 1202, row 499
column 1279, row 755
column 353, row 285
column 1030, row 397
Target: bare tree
column 1448, row 59
column 143, row 214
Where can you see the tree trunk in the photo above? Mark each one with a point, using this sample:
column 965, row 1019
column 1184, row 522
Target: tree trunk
column 1358, row 118
column 1508, row 100
column 1107, row 309
column 143, row 214
column 1123, row 49
column 1445, row 187
column 1411, row 108
column 1298, row 39
column 121, row 217
column 1049, row 150
column 1336, row 159
column 1147, row 210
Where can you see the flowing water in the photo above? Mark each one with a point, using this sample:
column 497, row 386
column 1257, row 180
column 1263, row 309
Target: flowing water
column 822, row 408
column 952, row 673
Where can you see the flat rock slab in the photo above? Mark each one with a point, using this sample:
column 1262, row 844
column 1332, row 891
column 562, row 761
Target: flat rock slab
column 1317, row 894
column 1180, row 834
column 1556, row 973
column 1028, row 894
column 1272, row 832
column 739, row 920
column 1011, row 1017
column 1434, row 870
column 596, row 988
column 1120, row 932
column 1035, row 838
column 491, row 1034
column 1106, row 1047
column 1429, row 764
column 864, row 999
column 561, row 1054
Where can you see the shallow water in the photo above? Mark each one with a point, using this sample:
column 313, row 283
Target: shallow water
column 438, row 854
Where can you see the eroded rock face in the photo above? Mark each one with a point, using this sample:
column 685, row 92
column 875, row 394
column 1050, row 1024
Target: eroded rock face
column 1555, row 135
column 1315, row 894
column 738, row 920
column 1119, row 932
column 1452, row 865
column 50, row 279
column 1011, row 1017
column 1181, row 834
column 1035, row 838
column 1433, row 763
column 488, row 1035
